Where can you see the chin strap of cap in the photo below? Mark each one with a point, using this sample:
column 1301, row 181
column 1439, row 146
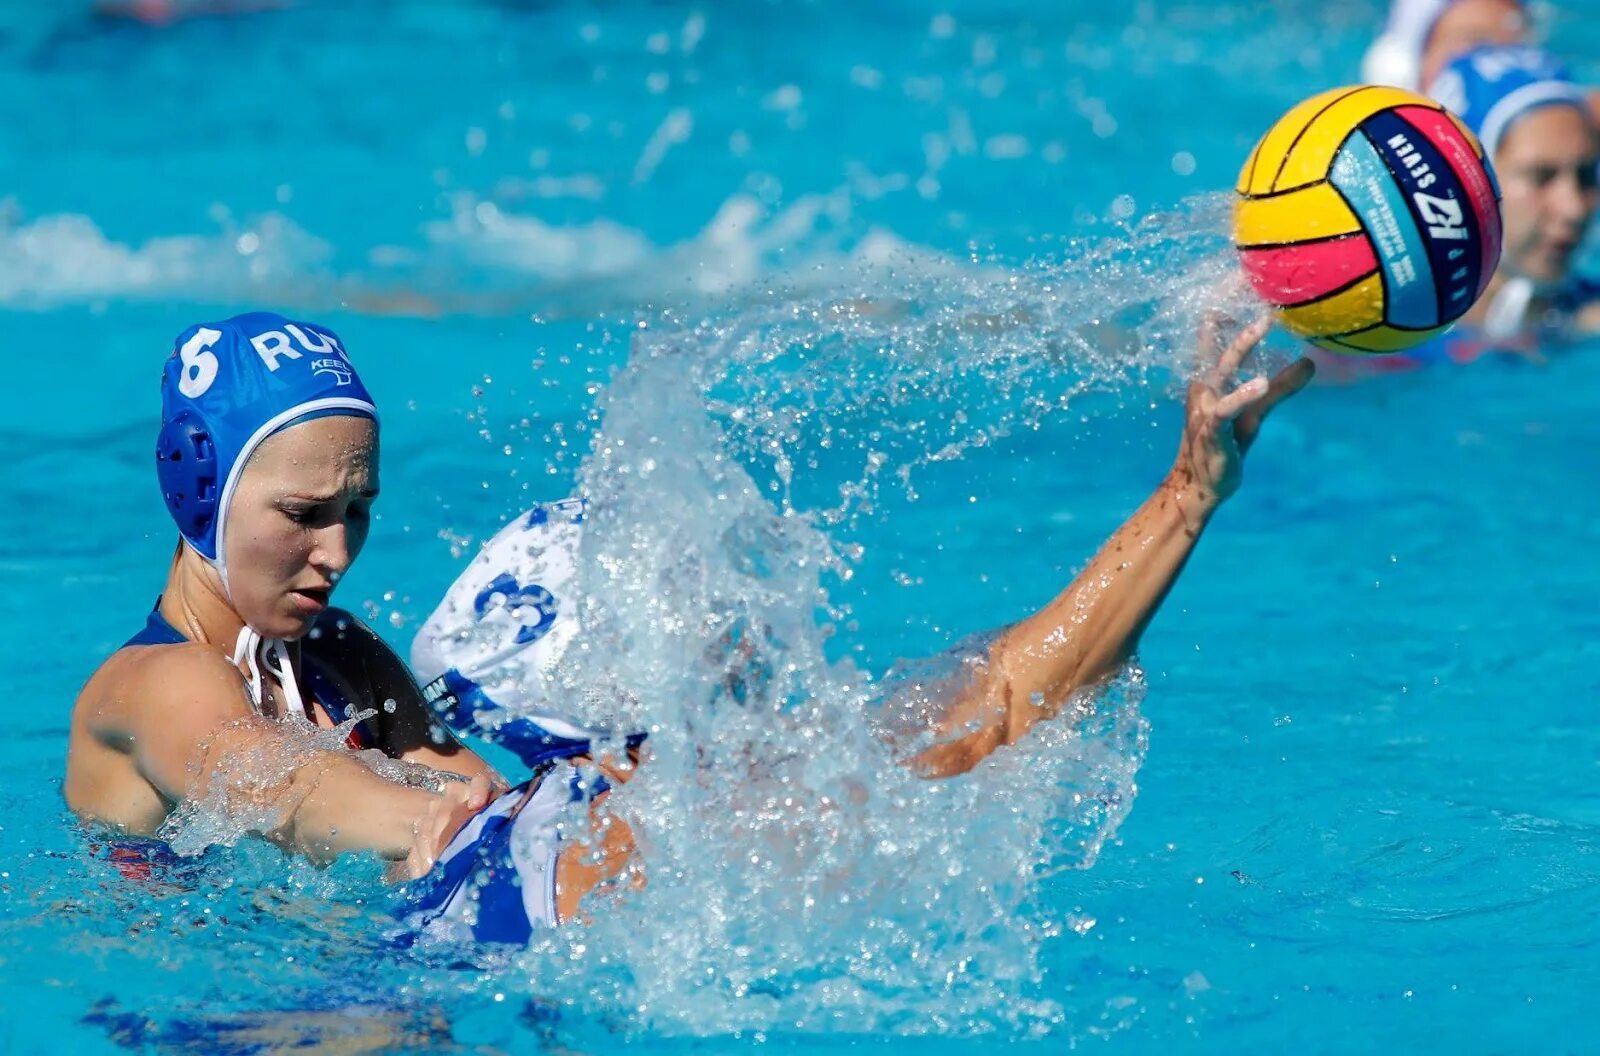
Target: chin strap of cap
column 1508, row 310
column 257, row 652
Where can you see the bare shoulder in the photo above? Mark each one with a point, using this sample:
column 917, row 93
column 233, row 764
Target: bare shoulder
column 190, row 679
column 136, row 725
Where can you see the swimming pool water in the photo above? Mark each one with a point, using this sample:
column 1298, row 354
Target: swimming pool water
column 1367, row 815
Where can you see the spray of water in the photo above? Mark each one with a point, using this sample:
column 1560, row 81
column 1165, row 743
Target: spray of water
column 798, row 875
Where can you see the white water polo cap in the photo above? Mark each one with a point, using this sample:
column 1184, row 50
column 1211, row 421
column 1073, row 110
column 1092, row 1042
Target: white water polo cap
column 488, row 654
column 1395, row 58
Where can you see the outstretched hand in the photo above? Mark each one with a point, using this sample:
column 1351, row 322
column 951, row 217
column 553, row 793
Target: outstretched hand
column 1221, row 425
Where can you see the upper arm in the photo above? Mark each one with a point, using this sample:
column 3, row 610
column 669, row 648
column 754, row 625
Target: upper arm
column 183, row 698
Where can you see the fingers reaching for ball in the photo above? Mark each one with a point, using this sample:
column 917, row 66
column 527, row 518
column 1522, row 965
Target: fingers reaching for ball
column 1285, row 383
column 1218, row 363
column 1250, row 403
column 1243, row 344
column 1240, row 399
column 1225, row 416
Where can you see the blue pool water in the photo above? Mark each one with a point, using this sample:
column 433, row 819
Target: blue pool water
column 1366, row 811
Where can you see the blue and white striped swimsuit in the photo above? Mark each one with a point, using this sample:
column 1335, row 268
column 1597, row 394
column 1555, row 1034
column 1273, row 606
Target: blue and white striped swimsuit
column 496, row 881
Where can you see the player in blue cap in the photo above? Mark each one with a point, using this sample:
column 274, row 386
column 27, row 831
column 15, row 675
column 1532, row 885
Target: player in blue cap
column 1536, row 127
column 268, row 461
column 1538, row 131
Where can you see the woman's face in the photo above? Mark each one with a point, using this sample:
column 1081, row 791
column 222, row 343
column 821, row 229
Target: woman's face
column 298, row 518
column 1546, row 163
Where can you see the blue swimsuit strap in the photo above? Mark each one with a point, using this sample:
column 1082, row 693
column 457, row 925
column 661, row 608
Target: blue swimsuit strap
column 158, row 631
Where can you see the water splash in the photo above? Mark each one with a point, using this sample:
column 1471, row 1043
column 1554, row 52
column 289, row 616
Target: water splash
column 766, row 263
column 797, row 874
column 799, row 877
column 826, row 390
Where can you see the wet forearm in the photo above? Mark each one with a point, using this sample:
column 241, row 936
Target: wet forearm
column 1080, row 638
column 317, row 801
column 1093, row 627
column 338, row 805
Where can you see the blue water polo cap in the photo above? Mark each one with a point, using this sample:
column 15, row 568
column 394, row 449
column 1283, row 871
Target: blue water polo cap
column 227, row 387
column 1490, row 88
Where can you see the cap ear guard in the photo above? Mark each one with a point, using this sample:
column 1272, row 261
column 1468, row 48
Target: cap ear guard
column 225, row 388
column 186, row 463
